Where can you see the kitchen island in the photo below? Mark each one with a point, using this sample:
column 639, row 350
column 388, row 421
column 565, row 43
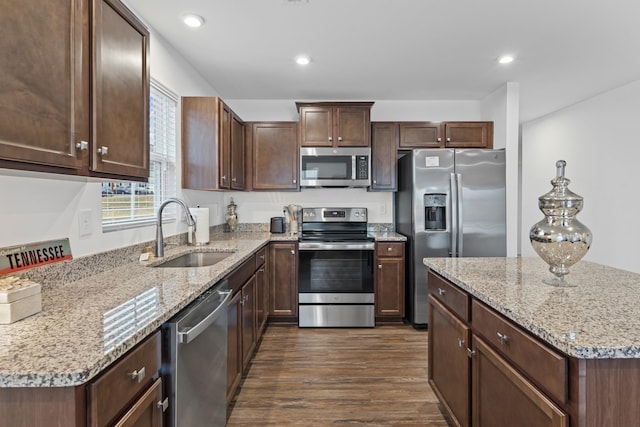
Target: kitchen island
column 546, row 355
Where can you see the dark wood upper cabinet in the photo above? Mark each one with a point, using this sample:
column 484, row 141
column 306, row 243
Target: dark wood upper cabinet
column 335, row 124
column 213, row 145
column 44, row 79
column 45, row 108
column 468, row 135
column 384, row 153
column 275, row 156
column 120, row 120
column 420, row 135
column 445, row 135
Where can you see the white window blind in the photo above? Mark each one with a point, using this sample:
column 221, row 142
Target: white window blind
column 133, row 204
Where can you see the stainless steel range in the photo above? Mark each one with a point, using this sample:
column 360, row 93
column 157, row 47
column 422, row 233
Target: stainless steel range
column 335, row 282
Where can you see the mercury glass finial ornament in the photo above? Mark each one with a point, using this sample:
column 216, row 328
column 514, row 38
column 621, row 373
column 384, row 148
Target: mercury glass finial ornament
column 231, row 217
column 559, row 238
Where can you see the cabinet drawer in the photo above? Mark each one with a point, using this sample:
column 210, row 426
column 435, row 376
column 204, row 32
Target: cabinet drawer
column 261, row 257
column 389, row 250
column 542, row 364
column 451, row 296
column 110, row 393
column 241, row 274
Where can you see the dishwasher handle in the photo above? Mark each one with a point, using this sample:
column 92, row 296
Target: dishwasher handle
column 191, row 334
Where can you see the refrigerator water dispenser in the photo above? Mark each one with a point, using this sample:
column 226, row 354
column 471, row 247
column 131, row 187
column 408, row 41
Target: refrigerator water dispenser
column 435, row 211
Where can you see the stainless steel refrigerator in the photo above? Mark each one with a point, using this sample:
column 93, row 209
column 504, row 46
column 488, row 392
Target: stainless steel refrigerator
column 450, row 203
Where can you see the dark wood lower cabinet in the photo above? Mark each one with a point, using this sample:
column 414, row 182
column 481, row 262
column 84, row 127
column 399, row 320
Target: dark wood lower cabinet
column 248, row 306
column 501, row 395
column 234, row 341
column 449, row 363
column 146, row 411
column 283, row 275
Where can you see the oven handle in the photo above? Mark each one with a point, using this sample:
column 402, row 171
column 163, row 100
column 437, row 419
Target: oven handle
column 331, row 246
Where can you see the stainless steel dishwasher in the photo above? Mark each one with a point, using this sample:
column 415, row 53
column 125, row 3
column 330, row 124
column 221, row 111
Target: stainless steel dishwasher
column 195, row 361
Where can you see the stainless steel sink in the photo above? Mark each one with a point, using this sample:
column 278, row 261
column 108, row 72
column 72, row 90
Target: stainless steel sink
column 196, row 259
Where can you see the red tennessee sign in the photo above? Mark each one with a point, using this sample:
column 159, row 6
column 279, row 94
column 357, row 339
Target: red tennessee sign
column 24, row 257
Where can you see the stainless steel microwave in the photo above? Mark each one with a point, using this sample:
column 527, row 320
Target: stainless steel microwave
column 335, row 167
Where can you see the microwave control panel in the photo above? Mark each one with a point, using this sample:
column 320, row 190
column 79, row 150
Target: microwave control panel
column 362, row 167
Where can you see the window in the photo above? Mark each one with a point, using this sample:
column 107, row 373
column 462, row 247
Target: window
column 133, row 204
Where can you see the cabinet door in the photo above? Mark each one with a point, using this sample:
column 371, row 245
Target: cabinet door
column 275, row 156
column 316, row 126
column 503, row 397
column 262, row 300
column 468, row 135
column 390, row 287
column 283, row 272
column 353, row 127
column 146, row 411
column 120, row 122
column 384, row 153
column 449, row 363
column 237, row 153
column 224, row 141
column 248, row 304
column 44, row 80
column 234, row 340
column 420, row 135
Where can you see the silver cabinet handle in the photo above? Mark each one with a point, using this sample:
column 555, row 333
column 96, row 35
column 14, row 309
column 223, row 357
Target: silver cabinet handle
column 295, row 181
column 380, row 266
column 339, row 138
column 82, row 146
column 448, row 139
column 470, row 352
column 223, row 177
column 138, row 375
column 330, row 139
column 439, row 139
column 261, row 256
column 261, row 270
column 293, row 252
column 103, row 151
column 163, row 404
column 502, row 338
column 460, row 342
column 441, row 291
column 389, row 249
column 375, row 181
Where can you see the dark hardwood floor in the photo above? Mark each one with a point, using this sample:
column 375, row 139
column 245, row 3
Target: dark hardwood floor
column 338, row 377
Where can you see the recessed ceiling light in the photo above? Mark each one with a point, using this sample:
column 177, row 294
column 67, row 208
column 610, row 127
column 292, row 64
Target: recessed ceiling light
column 506, row 59
column 192, row 20
column 302, row 60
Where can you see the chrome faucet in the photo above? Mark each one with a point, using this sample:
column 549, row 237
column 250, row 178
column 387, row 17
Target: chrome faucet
column 159, row 238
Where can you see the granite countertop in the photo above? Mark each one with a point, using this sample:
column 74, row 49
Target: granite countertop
column 71, row 340
column 598, row 318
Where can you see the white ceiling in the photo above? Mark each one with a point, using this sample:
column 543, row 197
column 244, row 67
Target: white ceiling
column 567, row 50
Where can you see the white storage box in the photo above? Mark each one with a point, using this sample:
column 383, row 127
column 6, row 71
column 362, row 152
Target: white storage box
column 19, row 298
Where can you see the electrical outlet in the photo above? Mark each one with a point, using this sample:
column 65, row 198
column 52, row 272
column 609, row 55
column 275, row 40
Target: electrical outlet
column 84, row 222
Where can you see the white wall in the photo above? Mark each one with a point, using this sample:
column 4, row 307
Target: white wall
column 503, row 108
column 599, row 140
column 37, row 206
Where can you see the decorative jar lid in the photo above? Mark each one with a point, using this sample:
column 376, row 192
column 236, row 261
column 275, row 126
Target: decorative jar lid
column 560, row 201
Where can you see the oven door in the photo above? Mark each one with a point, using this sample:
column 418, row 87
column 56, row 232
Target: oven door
column 335, row 285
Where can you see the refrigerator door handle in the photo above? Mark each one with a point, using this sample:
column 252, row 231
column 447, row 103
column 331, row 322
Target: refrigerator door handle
column 453, row 216
column 459, row 217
